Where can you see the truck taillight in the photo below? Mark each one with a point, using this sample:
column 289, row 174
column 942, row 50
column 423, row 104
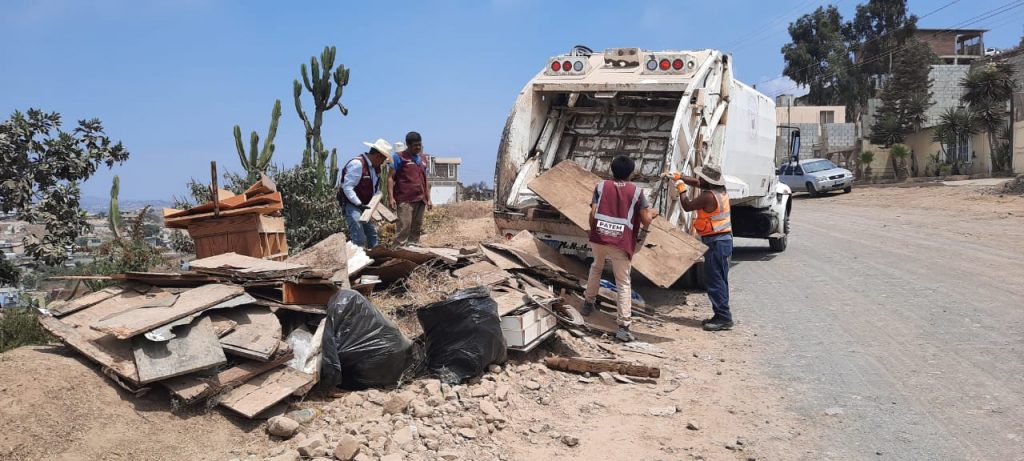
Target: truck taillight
column 565, row 66
column 669, row 63
column 664, row 64
column 677, row 64
column 556, row 66
column 652, row 65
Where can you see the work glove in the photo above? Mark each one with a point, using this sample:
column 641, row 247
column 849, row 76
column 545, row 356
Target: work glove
column 678, row 178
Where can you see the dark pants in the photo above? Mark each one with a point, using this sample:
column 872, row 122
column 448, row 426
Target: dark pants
column 716, row 273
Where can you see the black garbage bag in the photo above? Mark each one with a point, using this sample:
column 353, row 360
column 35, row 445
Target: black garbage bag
column 463, row 335
column 361, row 347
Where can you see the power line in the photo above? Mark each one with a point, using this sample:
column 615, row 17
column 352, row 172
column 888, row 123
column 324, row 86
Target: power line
column 739, row 42
column 947, row 5
column 981, row 17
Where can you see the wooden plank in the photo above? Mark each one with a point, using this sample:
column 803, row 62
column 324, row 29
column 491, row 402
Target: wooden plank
column 227, row 200
column 246, row 267
column 194, row 347
column 196, row 386
column 307, row 308
column 667, row 252
column 118, row 363
column 526, row 242
column 499, row 259
column 140, row 320
column 299, row 293
column 483, row 272
column 183, row 222
column 253, row 397
column 408, row 254
column 256, row 334
column 62, row 308
column 265, row 185
column 163, row 279
column 222, row 325
column 391, row 270
column 386, row 214
column 371, row 207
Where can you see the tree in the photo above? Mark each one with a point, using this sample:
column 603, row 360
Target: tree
column 258, row 161
column 818, row 57
column 877, row 31
column 40, row 168
column 906, row 96
column 955, row 126
column 987, row 91
column 319, row 87
column 311, row 212
column 866, row 158
column 899, row 153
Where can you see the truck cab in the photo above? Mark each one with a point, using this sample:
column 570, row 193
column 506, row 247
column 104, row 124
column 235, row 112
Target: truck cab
column 668, row 111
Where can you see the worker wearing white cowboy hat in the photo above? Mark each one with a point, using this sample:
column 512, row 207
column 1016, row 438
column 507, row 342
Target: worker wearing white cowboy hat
column 359, row 183
column 714, row 224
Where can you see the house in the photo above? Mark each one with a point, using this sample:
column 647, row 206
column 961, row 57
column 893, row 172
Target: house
column 954, row 46
column 823, row 129
column 10, row 297
column 443, row 174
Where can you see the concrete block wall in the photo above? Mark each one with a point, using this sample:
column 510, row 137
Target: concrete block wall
column 946, row 90
column 809, row 137
column 838, row 136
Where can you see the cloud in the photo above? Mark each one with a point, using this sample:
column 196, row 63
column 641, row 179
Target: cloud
column 776, row 86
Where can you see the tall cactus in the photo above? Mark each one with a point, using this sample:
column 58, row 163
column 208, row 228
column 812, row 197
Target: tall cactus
column 258, row 161
column 114, row 211
column 320, row 86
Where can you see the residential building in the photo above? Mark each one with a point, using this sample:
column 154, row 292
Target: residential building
column 823, row 129
column 443, row 174
column 954, row 46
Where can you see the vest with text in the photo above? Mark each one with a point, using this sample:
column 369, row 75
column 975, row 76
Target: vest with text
column 617, row 220
column 716, row 222
column 410, row 179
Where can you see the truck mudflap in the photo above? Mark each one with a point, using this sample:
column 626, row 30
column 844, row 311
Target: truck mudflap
column 666, row 253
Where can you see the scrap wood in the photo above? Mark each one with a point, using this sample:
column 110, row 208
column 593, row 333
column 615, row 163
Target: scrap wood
column 226, row 200
column 581, row 365
column 182, row 222
column 568, row 188
column 138, row 320
column 246, row 267
column 256, row 395
column 118, row 362
column 265, row 185
column 500, row 259
column 526, row 242
column 406, row 253
column 483, row 272
column 391, row 270
column 222, row 325
column 275, row 306
column 191, row 388
column 62, row 308
column 170, row 279
column 386, row 214
column 164, row 332
column 371, row 207
column 194, row 347
column 307, row 293
column 256, row 335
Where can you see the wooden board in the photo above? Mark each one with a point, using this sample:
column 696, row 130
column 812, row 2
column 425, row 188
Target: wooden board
column 256, row 334
column 227, row 200
column 183, row 222
column 255, row 396
column 300, row 293
column 667, row 253
column 164, row 279
column 500, row 259
column 140, row 320
column 483, row 272
column 526, row 242
column 408, row 254
column 265, row 185
column 371, row 207
column 196, row 386
column 246, row 267
column 62, row 308
column 194, row 347
column 392, row 270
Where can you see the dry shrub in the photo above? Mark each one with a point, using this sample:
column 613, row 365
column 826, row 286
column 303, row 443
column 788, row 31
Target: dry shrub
column 471, row 209
column 424, row 285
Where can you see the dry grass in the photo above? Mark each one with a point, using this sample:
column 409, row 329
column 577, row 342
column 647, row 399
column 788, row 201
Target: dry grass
column 424, row 285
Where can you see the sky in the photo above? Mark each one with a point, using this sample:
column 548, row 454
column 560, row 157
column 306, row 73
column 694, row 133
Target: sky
column 171, row 78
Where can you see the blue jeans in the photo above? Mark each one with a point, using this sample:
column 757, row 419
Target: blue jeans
column 363, row 234
column 716, row 273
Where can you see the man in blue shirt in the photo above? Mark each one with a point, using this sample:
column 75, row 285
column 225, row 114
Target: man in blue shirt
column 359, row 183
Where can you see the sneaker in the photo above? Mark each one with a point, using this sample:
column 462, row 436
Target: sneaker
column 624, row 335
column 719, row 325
column 713, row 318
column 588, row 308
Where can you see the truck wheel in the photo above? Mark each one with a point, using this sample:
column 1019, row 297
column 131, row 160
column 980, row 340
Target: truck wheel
column 811, row 190
column 848, row 189
column 694, row 278
column 778, row 245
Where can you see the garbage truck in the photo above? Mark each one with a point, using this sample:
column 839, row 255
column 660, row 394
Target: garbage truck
column 668, row 111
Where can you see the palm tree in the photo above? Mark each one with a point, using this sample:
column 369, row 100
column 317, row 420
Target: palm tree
column 866, row 158
column 955, row 124
column 986, row 92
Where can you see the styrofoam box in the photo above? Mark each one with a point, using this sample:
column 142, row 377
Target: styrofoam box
column 521, row 321
column 522, row 337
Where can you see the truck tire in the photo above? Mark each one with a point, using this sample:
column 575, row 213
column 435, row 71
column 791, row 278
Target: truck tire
column 694, row 278
column 779, row 245
column 811, row 190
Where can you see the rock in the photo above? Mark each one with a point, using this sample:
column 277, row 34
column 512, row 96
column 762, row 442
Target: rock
column 377, row 397
column 435, row 400
column 467, row 433
column 584, row 379
column 662, row 411
column 501, row 393
column 740, row 441
column 730, row 446
column 397, row 404
column 692, row 425
column 606, row 377
column 490, row 412
column 570, row 441
column 532, row 385
column 347, row 448
column 432, row 387
column 313, row 446
column 494, row 368
column 391, row 457
column 538, row 428
column 481, row 390
column 403, row 436
column 288, row 455
column 362, row 457
column 448, row 455
column 623, row 379
column 421, row 409
column 282, row 426
column 833, row 411
column 464, row 422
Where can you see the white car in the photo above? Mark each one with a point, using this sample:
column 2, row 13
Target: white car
column 816, row 175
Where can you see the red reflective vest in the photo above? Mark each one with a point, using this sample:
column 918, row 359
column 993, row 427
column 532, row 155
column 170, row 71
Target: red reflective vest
column 617, row 220
column 410, row 179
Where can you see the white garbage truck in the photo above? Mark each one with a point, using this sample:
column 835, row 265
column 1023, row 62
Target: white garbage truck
column 668, row 111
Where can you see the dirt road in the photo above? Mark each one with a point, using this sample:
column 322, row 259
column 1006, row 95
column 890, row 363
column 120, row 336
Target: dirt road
column 895, row 321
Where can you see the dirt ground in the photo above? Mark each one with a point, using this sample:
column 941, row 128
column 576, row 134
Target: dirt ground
column 728, row 385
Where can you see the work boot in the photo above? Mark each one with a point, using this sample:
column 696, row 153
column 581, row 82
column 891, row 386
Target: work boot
column 624, row 335
column 718, row 325
column 588, row 308
column 714, row 318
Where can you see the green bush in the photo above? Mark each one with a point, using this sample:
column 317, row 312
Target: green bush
column 311, row 211
column 19, row 327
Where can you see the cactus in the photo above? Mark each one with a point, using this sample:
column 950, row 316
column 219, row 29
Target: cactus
column 320, row 87
column 258, row 160
column 114, row 213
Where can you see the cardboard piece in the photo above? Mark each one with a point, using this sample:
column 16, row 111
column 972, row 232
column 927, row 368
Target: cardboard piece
column 667, row 252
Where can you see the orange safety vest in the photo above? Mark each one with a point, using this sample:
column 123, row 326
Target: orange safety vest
column 715, row 222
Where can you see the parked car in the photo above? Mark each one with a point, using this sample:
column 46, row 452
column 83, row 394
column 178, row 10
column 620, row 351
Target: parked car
column 816, row 175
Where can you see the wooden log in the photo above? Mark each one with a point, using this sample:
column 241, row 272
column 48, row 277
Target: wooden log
column 581, row 365
column 214, row 188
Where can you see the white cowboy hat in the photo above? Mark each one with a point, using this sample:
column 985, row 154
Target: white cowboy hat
column 381, row 146
column 710, row 173
column 400, row 146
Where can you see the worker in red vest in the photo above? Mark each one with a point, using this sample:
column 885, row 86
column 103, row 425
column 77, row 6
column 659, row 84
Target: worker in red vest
column 359, row 183
column 409, row 190
column 617, row 212
column 714, row 224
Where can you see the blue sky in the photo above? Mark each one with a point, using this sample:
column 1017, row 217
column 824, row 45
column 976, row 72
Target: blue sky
column 170, row 78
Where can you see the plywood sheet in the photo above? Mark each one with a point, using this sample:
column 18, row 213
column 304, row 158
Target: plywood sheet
column 194, row 347
column 195, row 386
column 255, row 396
column 526, row 242
column 182, row 222
column 483, row 272
column 138, row 320
column 256, row 334
column 61, row 308
column 667, row 253
column 246, row 267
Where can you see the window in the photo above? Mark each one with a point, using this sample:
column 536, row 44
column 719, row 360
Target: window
column 827, row 116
